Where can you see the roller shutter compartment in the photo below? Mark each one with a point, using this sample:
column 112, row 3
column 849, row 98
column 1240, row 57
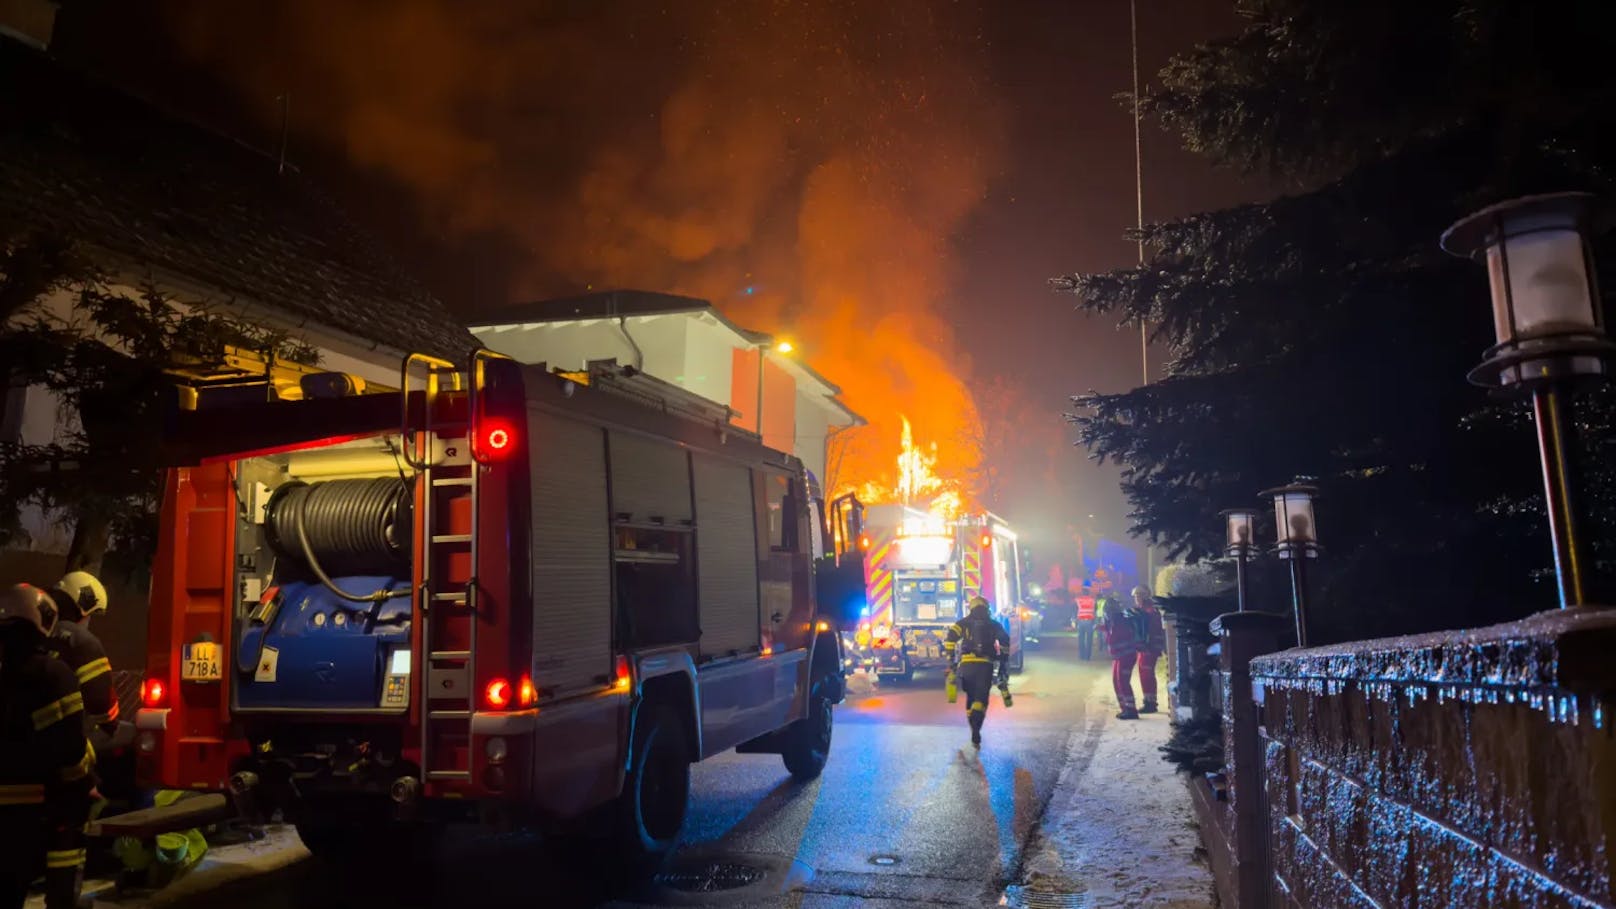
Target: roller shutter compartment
column 650, row 479
column 726, row 550
column 572, row 616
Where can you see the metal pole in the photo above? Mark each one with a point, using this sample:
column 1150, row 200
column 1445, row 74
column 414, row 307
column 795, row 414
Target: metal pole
column 1240, row 578
column 1553, row 434
column 761, row 352
column 1299, row 593
column 1139, row 222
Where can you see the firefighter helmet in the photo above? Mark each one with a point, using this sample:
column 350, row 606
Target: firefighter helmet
column 84, row 591
column 979, row 600
column 1141, row 591
column 27, row 603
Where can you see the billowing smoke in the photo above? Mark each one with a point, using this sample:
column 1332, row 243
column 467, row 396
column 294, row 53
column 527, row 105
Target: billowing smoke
column 802, row 163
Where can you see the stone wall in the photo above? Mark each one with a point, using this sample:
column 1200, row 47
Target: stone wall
column 1472, row 768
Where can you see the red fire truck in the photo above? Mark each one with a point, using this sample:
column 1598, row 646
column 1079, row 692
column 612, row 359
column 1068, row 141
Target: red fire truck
column 496, row 594
column 920, row 574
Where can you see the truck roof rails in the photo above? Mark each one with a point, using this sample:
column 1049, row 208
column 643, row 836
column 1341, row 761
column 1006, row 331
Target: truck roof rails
column 627, row 382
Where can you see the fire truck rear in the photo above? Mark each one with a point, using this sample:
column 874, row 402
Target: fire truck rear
column 920, row 574
column 476, row 598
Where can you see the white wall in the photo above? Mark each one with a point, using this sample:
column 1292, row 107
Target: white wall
column 709, row 360
column 569, row 345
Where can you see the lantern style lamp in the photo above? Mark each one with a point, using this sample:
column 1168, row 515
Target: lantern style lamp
column 1297, row 541
column 1240, row 543
column 1551, row 336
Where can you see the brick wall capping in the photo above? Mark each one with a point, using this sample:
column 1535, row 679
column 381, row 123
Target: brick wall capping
column 1565, row 649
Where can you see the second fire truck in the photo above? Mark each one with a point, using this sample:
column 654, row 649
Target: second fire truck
column 920, row 575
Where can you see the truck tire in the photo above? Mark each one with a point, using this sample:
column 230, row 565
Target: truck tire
column 656, row 791
column 807, row 745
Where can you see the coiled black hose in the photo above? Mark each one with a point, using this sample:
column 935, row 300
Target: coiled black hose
column 346, row 527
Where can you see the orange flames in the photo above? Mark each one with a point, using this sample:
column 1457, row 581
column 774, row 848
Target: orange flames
column 803, row 164
column 918, row 484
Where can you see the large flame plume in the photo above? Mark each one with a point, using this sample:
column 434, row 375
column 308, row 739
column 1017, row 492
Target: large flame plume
column 801, row 163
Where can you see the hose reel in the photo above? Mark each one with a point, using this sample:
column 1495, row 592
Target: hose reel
column 344, row 527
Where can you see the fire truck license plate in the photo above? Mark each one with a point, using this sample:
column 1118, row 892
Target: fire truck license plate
column 199, row 662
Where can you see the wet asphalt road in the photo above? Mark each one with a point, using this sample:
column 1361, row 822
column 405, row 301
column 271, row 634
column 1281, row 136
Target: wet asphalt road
column 905, row 811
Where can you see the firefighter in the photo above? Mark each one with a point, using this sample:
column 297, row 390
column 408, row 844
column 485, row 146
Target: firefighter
column 974, row 644
column 78, row 596
column 1135, row 636
column 1155, row 644
column 1085, row 625
column 46, row 764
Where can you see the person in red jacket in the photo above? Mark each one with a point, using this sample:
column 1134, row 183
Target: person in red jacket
column 1135, row 636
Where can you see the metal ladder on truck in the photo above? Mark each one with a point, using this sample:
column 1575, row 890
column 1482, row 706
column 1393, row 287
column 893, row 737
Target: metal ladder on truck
column 446, row 591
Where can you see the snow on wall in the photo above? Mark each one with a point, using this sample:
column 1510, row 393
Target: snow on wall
column 1467, row 768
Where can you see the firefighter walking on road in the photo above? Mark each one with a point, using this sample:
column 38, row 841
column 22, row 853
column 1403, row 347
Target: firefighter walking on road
column 974, row 645
column 46, row 765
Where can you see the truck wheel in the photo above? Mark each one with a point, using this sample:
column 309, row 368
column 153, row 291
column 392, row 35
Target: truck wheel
column 656, row 792
column 808, row 739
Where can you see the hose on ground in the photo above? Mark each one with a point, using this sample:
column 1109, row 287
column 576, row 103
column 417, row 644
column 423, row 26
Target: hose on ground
column 347, row 526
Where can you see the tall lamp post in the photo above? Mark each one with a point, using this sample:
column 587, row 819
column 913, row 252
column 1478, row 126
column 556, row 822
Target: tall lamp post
column 1241, row 543
column 1298, row 541
column 1551, row 337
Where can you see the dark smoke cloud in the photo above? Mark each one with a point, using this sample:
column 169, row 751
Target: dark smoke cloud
column 802, row 164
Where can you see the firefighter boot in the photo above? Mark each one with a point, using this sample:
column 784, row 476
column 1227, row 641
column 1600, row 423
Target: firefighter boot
column 1004, row 690
column 1149, row 707
column 979, row 712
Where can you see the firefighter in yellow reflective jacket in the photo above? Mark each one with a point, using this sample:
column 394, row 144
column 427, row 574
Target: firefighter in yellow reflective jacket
column 974, row 644
column 46, row 765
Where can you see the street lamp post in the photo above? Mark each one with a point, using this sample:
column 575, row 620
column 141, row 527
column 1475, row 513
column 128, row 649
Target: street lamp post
column 1551, row 337
column 1297, row 541
column 1241, row 528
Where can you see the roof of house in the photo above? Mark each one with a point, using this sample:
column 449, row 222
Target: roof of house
column 613, row 304
column 97, row 166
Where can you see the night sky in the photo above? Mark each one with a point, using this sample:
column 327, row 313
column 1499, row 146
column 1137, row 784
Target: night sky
column 892, row 184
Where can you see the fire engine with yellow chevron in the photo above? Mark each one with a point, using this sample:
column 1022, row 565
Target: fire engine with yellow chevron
column 920, row 572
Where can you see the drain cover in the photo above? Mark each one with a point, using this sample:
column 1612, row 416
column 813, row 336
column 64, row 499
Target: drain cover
column 1019, row 897
column 711, row 877
column 883, row 860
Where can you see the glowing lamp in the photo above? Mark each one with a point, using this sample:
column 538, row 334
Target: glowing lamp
column 1240, row 531
column 526, row 694
column 153, row 693
column 1545, row 299
column 864, row 542
column 987, row 540
column 1295, row 531
column 822, row 625
column 497, row 696
column 623, row 675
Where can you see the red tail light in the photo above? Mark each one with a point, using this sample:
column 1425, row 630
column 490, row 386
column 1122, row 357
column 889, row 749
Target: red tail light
column 497, row 696
column 623, row 675
column 526, row 694
column 153, row 693
column 495, row 439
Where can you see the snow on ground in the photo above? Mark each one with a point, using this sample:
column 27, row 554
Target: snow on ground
column 1120, row 827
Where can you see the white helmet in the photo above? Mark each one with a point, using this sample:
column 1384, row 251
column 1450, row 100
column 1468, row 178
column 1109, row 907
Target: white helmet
column 27, row 603
column 1141, row 591
column 84, row 590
